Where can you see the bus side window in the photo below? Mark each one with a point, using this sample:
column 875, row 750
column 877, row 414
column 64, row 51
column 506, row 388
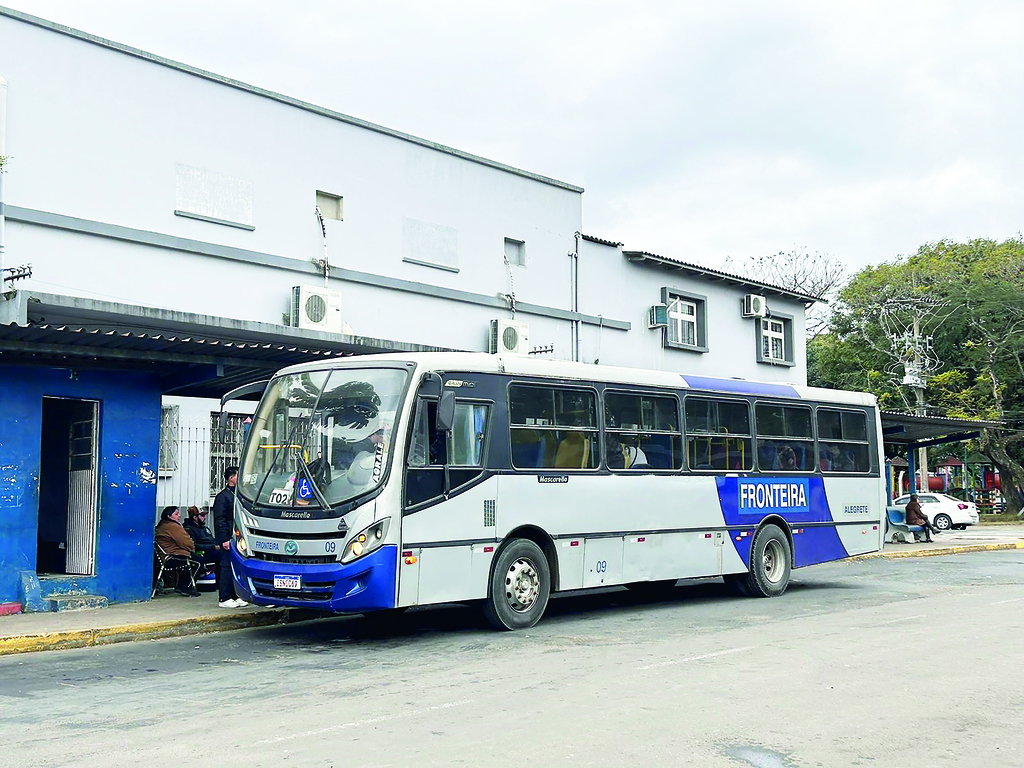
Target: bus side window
column 424, row 478
column 429, row 451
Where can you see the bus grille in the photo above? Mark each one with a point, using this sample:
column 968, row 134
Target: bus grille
column 311, row 590
column 296, row 559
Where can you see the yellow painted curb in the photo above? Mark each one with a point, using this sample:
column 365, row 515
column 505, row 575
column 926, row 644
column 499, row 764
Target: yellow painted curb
column 150, row 630
column 942, row 551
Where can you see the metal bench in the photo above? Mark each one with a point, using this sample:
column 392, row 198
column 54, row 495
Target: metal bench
column 896, row 530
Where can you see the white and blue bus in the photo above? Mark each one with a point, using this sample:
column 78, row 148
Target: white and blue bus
column 388, row 481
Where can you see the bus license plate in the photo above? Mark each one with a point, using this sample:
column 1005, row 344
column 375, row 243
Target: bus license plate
column 286, row 582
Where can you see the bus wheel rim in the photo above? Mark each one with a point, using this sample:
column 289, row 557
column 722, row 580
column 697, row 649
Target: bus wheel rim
column 772, row 561
column 522, row 585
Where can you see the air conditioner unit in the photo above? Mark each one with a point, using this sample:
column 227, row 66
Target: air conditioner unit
column 754, row 306
column 509, row 337
column 657, row 316
column 316, row 309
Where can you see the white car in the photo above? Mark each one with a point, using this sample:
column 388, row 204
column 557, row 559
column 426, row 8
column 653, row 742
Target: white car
column 942, row 511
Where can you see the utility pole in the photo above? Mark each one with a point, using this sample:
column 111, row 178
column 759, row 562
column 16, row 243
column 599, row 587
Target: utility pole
column 918, row 385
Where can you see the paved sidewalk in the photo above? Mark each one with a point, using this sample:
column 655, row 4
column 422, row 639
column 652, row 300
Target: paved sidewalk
column 172, row 615
column 168, row 615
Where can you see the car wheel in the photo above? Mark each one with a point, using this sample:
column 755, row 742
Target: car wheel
column 520, row 586
column 942, row 522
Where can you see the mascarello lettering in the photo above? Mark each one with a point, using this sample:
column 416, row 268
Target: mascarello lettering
column 772, row 495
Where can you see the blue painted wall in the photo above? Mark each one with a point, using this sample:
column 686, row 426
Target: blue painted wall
column 129, row 437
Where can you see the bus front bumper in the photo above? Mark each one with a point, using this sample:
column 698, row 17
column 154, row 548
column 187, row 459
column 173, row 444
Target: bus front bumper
column 366, row 584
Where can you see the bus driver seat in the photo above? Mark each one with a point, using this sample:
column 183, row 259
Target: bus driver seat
column 573, row 452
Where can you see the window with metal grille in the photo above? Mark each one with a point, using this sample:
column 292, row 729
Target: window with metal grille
column 227, row 453
column 170, row 436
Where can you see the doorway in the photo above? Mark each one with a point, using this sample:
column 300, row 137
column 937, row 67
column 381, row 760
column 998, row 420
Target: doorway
column 67, row 487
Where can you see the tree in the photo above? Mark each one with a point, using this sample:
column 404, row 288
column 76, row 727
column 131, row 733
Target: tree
column 976, row 290
column 811, row 274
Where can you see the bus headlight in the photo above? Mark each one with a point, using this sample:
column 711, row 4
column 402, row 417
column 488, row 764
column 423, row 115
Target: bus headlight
column 240, row 545
column 367, row 541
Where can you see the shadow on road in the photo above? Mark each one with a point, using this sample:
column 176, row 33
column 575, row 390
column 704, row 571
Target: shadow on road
column 394, row 628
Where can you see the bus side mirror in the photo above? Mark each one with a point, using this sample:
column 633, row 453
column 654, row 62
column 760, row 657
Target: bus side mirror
column 446, row 411
column 222, row 424
column 431, row 385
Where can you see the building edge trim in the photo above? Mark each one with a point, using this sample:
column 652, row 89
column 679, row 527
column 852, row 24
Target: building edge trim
column 200, row 248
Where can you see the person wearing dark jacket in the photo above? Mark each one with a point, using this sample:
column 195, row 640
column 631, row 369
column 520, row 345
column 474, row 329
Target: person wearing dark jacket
column 916, row 517
column 223, row 525
column 207, row 552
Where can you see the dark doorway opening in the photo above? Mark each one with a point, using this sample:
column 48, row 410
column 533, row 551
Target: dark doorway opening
column 67, row 487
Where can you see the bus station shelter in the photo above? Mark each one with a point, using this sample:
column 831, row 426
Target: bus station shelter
column 908, row 432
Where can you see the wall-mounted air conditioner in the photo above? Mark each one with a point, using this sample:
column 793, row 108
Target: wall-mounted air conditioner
column 509, row 337
column 316, row 309
column 657, row 316
column 754, row 306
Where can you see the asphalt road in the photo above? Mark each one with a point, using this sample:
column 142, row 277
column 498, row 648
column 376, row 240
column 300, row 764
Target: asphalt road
column 828, row 675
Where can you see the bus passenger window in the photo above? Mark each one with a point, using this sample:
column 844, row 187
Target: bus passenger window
column 843, row 441
column 718, row 435
column 553, row 428
column 641, row 432
column 785, row 442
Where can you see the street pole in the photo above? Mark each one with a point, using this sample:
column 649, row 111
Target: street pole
column 922, row 453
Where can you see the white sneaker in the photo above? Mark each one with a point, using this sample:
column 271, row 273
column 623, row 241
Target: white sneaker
column 232, row 603
column 240, row 603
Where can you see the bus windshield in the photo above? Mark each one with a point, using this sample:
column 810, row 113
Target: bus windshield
column 321, row 438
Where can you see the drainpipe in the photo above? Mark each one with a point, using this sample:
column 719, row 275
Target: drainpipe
column 574, row 299
column 3, row 151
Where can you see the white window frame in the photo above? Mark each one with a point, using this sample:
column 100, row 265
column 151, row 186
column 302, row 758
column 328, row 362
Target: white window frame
column 676, row 300
column 678, row 320
column 771, row 331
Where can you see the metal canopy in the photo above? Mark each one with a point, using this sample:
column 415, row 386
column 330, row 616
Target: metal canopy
column 912, row 431
column 195, row 355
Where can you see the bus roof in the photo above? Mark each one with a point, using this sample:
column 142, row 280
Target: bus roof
column 521, row 365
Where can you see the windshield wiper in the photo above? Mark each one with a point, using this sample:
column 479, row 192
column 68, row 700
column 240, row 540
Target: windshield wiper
column 277, row 454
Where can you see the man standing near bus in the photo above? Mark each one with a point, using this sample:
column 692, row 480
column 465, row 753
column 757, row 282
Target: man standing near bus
column 223, row 523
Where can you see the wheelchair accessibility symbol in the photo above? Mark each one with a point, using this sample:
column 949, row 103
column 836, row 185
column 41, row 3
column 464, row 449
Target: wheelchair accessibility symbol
column 305, row 491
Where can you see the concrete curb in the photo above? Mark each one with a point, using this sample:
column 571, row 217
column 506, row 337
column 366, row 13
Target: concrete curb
column 151, row 630
column 941, row 551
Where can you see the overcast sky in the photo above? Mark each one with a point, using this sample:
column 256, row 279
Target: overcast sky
column 700, row 130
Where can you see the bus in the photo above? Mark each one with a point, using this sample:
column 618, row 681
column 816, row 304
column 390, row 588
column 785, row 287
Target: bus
column 380, row 482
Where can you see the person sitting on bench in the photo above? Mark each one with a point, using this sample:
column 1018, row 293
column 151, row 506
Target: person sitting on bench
column 916, row 517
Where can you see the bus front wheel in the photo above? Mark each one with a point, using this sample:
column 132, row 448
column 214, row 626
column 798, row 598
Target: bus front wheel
column 520, row 586
column 770, row 563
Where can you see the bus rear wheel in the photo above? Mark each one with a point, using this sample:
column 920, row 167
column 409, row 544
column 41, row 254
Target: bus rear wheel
column 520, row 586
column 771, row 560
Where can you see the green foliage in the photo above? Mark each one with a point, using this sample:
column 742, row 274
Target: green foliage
column 975, row 291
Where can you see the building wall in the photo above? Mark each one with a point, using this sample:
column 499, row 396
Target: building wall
column 102, row 142
column 608, row 279
column 129, row 426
